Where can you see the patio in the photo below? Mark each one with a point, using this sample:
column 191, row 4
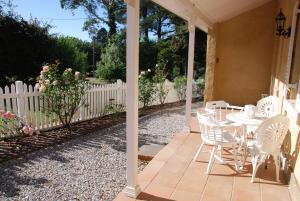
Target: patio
column 172, row 175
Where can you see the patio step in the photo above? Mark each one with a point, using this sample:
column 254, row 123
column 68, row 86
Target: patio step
column 148, row 151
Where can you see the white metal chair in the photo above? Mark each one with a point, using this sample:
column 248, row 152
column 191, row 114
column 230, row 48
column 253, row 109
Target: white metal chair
column 270, row 135
column 217, row 136
column 268, row 107
column 219, row 108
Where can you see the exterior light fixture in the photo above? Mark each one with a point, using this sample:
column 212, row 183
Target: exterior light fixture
column 280, row 23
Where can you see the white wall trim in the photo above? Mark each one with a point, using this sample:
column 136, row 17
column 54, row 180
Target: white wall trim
column 291, row 48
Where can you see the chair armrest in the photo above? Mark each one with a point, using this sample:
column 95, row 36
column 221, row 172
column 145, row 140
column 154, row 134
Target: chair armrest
column 210, row 111
column 233, row 107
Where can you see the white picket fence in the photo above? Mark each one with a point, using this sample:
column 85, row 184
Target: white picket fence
column 25, row 101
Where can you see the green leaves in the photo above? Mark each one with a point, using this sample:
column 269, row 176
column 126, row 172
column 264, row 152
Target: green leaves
column 63, row 92
column 180, row 86
column 112, row 65
column 146, row 89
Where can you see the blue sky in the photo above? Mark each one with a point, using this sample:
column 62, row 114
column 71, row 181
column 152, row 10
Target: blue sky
column 49, row 11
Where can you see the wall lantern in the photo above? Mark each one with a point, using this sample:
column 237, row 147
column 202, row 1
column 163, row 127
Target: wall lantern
column 280, row 22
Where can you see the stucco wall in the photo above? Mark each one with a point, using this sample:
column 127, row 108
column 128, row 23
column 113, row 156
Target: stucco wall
column 244, row 56
column 245, row 59
column 278, row 76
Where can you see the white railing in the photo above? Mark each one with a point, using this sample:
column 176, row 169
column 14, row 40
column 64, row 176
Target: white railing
column 25, row 101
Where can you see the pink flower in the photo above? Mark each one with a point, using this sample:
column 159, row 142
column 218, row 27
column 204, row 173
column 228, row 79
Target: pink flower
column 47, row 82
column 45, row 69
column 77, row 75
column 55, row 82
column 27, row 130
column 9, row 115
column 42, row 88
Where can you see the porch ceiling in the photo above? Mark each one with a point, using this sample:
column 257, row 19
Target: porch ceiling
column 205, row 13
column 222, row 10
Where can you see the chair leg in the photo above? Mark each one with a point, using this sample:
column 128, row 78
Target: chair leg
column 282, row 160
column 198, row 151
column 254, row 166
column 211, row 160
column 235, row 157
column 277, row 165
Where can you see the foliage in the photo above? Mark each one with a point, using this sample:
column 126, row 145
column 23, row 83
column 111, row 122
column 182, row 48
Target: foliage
column 180, row 86
column 113, row 107
column 148, row 55
column 159, row 79
column 13, row 126
column 68, row 53
column 64, row 92
column 26, row 45
column 175, row 72
column 200, row 83
column 146, row 89
column 114, row 13
column 112, row 65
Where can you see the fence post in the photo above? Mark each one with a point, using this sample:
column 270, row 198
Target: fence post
column 20, row 98
column 119, row 91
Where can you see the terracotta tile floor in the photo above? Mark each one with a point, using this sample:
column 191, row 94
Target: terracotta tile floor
column 172, row 175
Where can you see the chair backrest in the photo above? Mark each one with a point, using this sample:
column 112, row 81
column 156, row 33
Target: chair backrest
column 268, row 107
column 218, row 107
column 209, row 128
column 271, row 133
column 216, row 104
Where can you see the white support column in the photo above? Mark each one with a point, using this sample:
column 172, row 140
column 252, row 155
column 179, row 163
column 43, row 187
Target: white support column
column 132, row 67
column 189, row 89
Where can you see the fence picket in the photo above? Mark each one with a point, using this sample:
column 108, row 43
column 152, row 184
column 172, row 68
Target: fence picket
column 1, row 100
column 30, row 112
column 97, row 98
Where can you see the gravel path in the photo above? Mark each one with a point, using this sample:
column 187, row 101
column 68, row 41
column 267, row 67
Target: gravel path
column 87, row 168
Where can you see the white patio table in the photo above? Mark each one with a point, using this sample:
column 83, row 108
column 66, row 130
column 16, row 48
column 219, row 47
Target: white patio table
column 241, row 118
column 251, row 124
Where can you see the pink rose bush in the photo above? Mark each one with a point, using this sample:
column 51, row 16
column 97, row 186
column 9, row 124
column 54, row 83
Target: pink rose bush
column 63, row 90
column 13, row 126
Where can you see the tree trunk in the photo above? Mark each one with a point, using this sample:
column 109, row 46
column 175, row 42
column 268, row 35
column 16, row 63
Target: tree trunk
column 144, row 14
column 159, row 24
column 111, row 21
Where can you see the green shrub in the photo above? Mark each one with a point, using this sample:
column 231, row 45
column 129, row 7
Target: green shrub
column 13, row 126
column 146, row 89
column 113, row 107
column 180, row 86
column 200, row 82
column 63, row 92
column 175, row 72
column 112, row 65
column 159, row 79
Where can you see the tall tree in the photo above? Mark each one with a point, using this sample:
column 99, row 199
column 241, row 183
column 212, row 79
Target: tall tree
column 146, row 21
column 155, row 19
column 114, row 12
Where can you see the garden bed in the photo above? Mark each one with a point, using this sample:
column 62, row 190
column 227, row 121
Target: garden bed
column 14, row 148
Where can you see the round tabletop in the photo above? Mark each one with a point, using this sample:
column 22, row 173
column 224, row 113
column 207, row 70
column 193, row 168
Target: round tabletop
column 242, row 118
